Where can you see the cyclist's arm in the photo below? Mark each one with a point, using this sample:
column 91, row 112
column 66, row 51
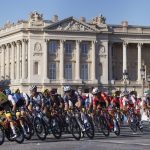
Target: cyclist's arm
column 30, row 106
column 66, row 103
column 25, row 97
column 11, row 99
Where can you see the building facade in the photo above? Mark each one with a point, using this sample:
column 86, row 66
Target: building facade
column 54, row 53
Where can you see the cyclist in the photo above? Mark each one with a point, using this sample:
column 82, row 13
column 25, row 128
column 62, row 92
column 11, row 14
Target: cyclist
column 56, row 100
column 73, row 99
column 6, row 105
column 38, row 102
column 99, row 100
column 36, row 99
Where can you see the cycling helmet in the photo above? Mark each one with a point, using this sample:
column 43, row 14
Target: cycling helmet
column 125, row 93
column 67, row 88
column 53, row 92
column 16, row 90
column 33, row 88
column 46, row 91
column 7, row 92
column 87, row 95
column 95, row 91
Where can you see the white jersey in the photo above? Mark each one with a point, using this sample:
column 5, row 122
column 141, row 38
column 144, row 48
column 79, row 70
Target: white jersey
column 90, row 97
column 25, row 97
column 130, row 100
column 12, row 99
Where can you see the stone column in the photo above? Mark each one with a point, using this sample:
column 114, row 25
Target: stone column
column 7, row 61
column 139, row 61
column 3, row 61
column 110, row 61
column 61, row 65
column 124, row 56
column 13, row 61
column 77, row 75
column 45, row 65
column 18, row 61
column 93, row 73
column 23, row 59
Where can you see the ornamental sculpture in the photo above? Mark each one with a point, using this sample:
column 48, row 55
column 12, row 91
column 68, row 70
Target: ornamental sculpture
column 72, row 26
column 99, row 20
column 37, row 47
column 35, row 19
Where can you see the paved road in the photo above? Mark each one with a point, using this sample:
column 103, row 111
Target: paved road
column 126, row 141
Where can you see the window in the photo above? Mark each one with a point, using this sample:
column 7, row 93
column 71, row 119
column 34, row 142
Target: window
column 84, row 48
column 36, row 69
column 52, row 46
column 68, row 48
column 52, row 71
column 84, row 71
column 68, row 71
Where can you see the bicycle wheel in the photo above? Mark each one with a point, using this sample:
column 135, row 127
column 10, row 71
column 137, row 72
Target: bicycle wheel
column 40, row 128
column 20, row 135
column 28, row 130
column 2, row 135
column 104, row 126
column 56, row 128
column 89, row 128
column 117, row 132
column 75, row 128
column 133, row 127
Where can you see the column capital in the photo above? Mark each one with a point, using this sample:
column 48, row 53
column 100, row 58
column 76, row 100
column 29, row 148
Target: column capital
column 13, row 43
column 3, row 46
column 18, row 42
column 8, row 45
column 24, row 40
column 62, row 40
column 78, row 41
column 94, row 41
column 46, row 40
column 139, row 44
column 125, row 43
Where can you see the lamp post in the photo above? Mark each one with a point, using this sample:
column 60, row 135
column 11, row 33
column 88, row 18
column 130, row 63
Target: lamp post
column 125, row 78
column 148, row 79
column 142, row 70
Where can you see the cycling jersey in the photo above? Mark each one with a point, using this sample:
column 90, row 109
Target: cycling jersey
column 72, row 99
column 56, row 100
column 37, row 100
column 18, row 99
column 115, row 102
column 128, row 101
column 3, row 98
column 99, row 101
column 4, row 102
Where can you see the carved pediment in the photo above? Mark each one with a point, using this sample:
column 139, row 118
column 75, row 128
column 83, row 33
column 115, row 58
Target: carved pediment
column 71, row 24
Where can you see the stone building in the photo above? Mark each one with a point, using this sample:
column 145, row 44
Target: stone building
column 53, row 53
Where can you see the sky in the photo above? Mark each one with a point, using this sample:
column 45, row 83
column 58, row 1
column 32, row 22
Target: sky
column 136, row 12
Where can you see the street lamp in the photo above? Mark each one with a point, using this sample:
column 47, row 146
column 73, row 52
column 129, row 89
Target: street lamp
column 148, row 79
column 142, row 70
column 125, row 78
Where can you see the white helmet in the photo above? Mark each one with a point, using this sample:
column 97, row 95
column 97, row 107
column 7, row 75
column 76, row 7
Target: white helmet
column 95, row 91
column 125, row 93
column 33, row 88
column 67, row 88
column 87, row 95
